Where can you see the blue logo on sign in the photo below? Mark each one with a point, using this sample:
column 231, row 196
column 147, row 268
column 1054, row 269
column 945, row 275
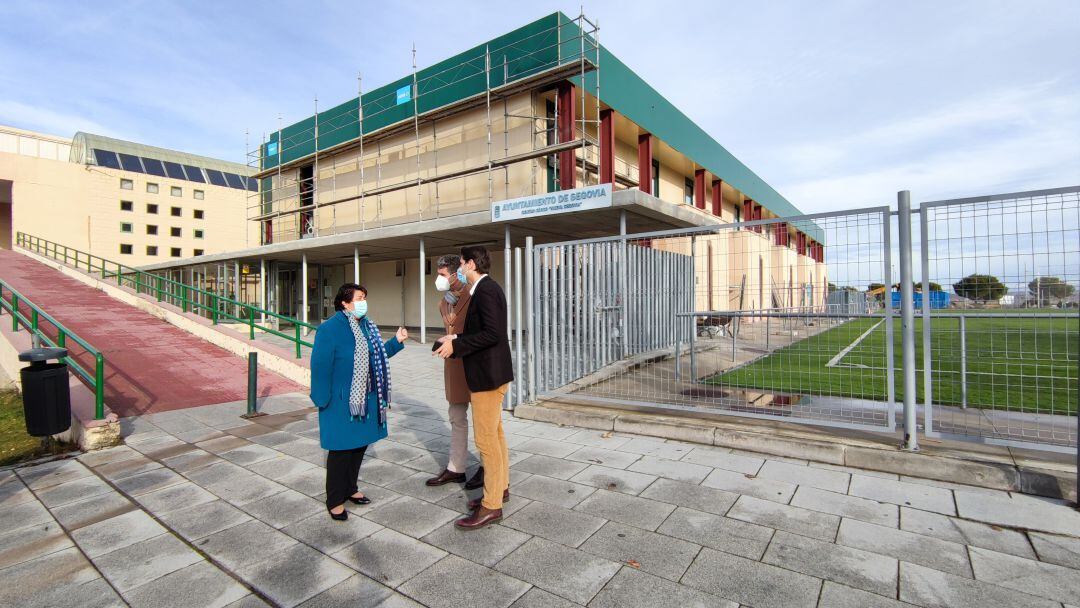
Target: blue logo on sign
column 404, row 94
column 271, row 148
column 498, row 211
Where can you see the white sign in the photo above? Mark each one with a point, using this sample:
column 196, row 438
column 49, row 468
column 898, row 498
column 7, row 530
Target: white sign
column 564, row 201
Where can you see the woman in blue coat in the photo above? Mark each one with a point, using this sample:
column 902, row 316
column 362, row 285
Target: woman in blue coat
column 350, row 384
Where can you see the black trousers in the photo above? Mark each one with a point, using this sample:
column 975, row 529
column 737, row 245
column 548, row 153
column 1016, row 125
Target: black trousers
column 342, row 470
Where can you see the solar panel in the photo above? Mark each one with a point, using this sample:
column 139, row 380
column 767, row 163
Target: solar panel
column 153, row 166
column 194, row 174
column 252, row 184
column 234, row 181
column 106, row 158
column 130, row 162
column 216, row 177
column 174, row 170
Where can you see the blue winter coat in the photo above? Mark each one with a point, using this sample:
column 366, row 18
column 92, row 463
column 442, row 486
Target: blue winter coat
column 331, row 378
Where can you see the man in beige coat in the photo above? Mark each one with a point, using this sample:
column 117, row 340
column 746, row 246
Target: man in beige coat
column 453, row 308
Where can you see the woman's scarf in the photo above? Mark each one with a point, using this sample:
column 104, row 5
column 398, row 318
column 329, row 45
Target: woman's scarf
column 368, row 369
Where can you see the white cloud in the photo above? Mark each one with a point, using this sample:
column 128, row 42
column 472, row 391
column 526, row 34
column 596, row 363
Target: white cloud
column 53, row 122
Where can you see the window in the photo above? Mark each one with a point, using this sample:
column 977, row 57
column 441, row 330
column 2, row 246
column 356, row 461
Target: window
column 176, row 191
column 106, row 158
column 151, row 250
column 234, row 181
column 126, row 227
column 130, row 163
column 656, row 178
column 153, row 166
column 198, row 234
column 738, row 214
column 198, row 252
column 127, row 206
column 199, row 195
column 151, row 229
column 688, row 192
column 125, row 249
column 175, row 231
column 151, row 208
column 174, row 170
column 194, row 174
column 126, row 184
column 152, row 188
column 175, row 252
column 217, row 178
column 198, row 214
column 176, row 212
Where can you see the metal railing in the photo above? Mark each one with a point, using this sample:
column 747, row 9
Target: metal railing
column 188, row 298
column 64, row 338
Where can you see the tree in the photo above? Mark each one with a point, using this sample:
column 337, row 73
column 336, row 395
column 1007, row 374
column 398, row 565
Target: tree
column 981, row 287
column 916, row 286
column 1046, row 288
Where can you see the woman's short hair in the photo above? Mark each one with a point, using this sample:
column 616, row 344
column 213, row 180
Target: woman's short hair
column 479, row 255
column 450, row 262
column 346, row 293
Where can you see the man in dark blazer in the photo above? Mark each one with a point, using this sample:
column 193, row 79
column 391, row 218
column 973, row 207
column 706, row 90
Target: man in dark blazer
column 485, row 352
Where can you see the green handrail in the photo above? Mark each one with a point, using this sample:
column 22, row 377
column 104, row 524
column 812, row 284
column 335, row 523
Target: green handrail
column 185, row 296
column 95, row 380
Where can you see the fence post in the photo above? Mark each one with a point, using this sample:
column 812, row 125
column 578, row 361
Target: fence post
column 251, row 322
column 907, row 320
column 253, row 383
column 214, row 311
column 531, row 351
column 518, row 306
column 296, row 327
column 14, row 312
column 99, row 386
column 963, row 362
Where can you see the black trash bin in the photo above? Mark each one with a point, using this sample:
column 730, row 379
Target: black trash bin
column 45, row 392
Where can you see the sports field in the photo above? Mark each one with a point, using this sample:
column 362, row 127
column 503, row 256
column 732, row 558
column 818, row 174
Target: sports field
column 1012, row 363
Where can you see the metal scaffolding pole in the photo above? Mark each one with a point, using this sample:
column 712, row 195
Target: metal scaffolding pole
column 360, row 121
column 356, row 265
column 507, row 278
column 262, row 288
column 313, row 223
column 303, row 289
column 423, row 293
column 487, row 103
column 416, row 131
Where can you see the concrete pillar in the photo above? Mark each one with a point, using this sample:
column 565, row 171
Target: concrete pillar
column 644, row 161
column 699, row 188
column 423, row 293
column 236, row 284
column 356, row 265
column 607, row 146
column 567, row 93
column 262, row 288
column 506, row 279
column 717, row 197
column 303, row 288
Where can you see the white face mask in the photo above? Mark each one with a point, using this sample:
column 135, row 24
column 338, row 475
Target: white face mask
column 442, row 283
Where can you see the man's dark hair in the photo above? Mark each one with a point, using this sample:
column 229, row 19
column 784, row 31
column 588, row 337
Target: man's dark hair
column 450, row 262
column 346, row 293
column 479, row 255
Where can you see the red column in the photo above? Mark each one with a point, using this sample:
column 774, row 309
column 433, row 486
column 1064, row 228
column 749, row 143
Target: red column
column 800, row 243
column 268, row 232
column 757, row 216
column 717, row 197
column 747, row 210
column 644, row 162
column 567, row 117
column 607, row 146
column 778, row 233
column 699, row 188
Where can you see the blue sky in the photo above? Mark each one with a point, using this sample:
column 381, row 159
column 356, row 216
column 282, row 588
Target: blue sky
column 837, row 104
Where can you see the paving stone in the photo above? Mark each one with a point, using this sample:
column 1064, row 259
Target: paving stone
column 92, row 510
column 392, row 451
column 23, row 585
column 397, row 600
column 784, row 517
column 553, row 491
column 750, row 582
column 272, row 438
column 699, row 498
column 1055, row 549
column 833, row 481
column 907, row 546
column 13, row 492
column 389, row 557
column 834, row 595
column 854, row 567
column 926, row 498
column 329, row 535
column 485, row 546
column 457, row 583
column 671, row 469
column 200, row 584
column 843, row 505
column 640, row 512
column 1029, row 576
column 654, row 447
column 1017, row 512
column 244, row 488
column 724, row 459
column 280, row 466
column 222, row 444
column 605, row 456
column 145, row 561
column 195, row 459
column 116, row 533
column 284, row 508
column 245, row 544
column 598, row 439
column 312, row 482
column 31, row 542
column 411, row 516
column 965, row 532
column 250, row 454
column 550, row 467
column 179, row 496
column 203, row 520
column 554, row 523
column 718, row 532
column 294, row 575
column 72, row 491
column 654, row 553
column 249, row 601
column 415, row 486
column 97, row 458
column 778, row 491
column 547, row 447
column 547, row 431
column 42, row 476
column 149, row 481
column 383, row 473
column 635, row 589
column 852, row 470
column 568, row 573
column 357, row 591
column 199, row 435
column 616, row 480
column 538, row 598
column 935, row 589
column 160, row 451
column 96, row 593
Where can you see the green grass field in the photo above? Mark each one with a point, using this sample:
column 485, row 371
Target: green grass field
column 15, row 445
column 1013, row 364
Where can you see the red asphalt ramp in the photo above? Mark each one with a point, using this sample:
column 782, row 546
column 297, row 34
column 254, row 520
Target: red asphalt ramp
column 150, row 365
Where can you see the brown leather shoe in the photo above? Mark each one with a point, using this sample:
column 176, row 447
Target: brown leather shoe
column 480, row 518
column 475, row 503
column 476, row 481
column 447, row 476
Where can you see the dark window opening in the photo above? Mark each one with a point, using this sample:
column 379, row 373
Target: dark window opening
column 175, row 252
column 151, row 250
column 154, row 166
column 125, row 249
column 151, row 208
column 656, row 178
column 106, row 158
column 688, row 194
column 150, row 229
column 216, row 177
column 174, row 170
column 194, row 174
column 127, row 206
column 174, row 231
column 176, row 211
column 130, row 162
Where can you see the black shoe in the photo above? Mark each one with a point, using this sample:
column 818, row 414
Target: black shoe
column 338, row 516
column 447, row 476
column 476, row 481
column 363, row 500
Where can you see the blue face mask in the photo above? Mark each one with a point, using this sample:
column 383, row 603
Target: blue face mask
column 461, row 276
column 359, row 309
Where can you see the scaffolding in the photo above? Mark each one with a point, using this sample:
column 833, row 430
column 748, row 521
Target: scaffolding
column 374, row 161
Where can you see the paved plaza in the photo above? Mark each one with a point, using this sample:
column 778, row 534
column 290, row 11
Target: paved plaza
column 204, row 508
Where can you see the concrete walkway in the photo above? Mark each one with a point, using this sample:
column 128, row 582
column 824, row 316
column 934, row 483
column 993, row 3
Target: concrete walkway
column 150, row 365
column 203, row 508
